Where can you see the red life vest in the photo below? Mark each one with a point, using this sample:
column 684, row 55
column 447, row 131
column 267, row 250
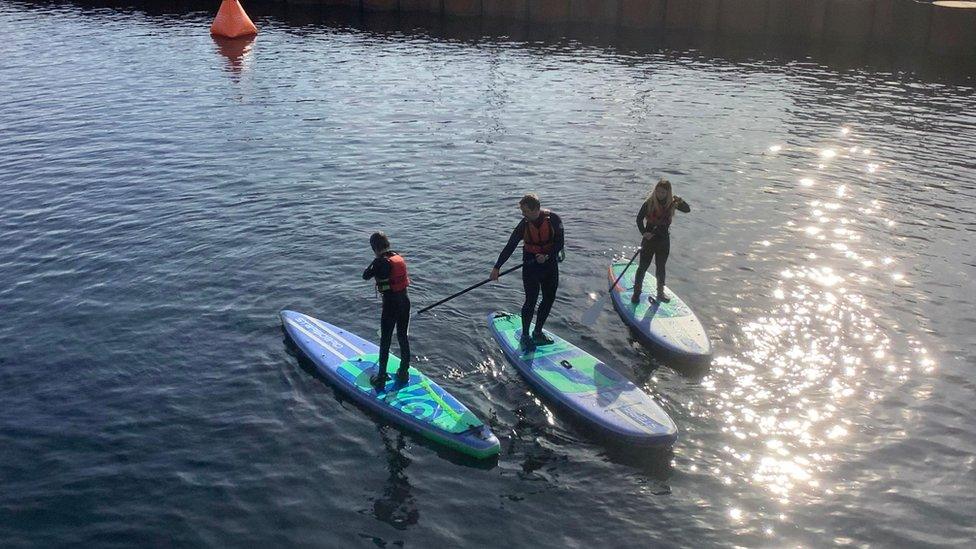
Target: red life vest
column 538, row 240
column 655, row 217
column 399, row 279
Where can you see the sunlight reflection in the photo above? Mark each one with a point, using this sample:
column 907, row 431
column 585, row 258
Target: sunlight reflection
column 801, row 364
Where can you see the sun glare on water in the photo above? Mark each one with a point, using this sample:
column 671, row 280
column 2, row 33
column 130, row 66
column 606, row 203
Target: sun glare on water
column 790, row 388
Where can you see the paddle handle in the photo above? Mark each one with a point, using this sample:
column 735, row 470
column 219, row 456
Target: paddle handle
column 629, row 263
column 468, row 289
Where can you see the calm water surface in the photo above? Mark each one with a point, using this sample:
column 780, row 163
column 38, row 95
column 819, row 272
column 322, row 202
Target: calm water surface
column 164, row 196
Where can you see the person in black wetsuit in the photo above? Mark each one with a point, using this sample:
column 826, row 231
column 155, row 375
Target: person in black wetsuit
column 654, row 222
column 542, row 233
column 390, row 271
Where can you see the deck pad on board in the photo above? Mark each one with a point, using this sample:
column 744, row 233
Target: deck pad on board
column 581, row 383
column 419, row 403
column 671, row 325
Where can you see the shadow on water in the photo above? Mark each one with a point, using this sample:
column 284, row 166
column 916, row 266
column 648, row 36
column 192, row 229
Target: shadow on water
column 655, row 463
column 396, row 506
column 301, row 19
column 533, row 423
column 448, row 454
column 655, row 357
column 693, row 371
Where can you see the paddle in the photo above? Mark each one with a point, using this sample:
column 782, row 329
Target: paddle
column 468, row 289
column 593, row 313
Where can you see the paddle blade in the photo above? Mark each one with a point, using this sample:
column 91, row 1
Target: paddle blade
column 591, row 315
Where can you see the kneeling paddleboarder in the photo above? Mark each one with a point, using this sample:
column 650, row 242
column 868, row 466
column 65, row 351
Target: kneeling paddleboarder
column 390, row 271
column 542, row 233
column 654, row 224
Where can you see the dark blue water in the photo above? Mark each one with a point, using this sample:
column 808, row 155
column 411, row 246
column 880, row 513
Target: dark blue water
column 163, row 196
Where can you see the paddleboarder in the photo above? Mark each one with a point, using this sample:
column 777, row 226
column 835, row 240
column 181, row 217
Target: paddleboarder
column 542, row 234
column 654, row 223
column 390, row 271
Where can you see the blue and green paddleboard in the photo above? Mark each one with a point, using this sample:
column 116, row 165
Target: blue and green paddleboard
column 671, row 327
column 593, row 392
column 419, row 405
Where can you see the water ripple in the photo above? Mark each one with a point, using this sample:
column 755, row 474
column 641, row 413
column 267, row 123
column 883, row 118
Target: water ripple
column 165, row 194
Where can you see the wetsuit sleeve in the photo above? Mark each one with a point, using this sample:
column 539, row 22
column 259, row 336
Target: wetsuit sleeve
column 512, row 244
column 380, row 268
column 683, row 206
column 370, row 271
column 558, row 236
column 641, row 216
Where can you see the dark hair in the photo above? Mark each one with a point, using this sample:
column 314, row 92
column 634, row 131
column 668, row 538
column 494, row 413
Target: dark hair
column 531, row 201
column 378, row 241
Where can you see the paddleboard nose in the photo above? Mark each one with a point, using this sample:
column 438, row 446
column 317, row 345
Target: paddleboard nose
column 286, row 315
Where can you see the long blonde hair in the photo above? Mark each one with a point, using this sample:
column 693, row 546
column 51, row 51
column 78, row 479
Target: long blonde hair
column 656, row 206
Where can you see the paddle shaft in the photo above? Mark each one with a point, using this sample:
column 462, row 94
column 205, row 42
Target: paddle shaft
column 629, row 263
column 468, row 289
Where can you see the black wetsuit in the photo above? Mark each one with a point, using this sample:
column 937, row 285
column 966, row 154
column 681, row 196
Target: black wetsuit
column 536, row 276
column 396, row 313
column 657, row 247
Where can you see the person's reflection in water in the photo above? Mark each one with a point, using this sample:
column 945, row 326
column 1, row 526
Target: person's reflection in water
column 235, row 50
column 396, row 506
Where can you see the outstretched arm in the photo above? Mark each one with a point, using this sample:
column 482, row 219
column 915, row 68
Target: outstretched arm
column 512, row 244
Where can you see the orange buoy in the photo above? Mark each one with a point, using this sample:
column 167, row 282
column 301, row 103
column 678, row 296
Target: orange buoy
column 232, row 21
